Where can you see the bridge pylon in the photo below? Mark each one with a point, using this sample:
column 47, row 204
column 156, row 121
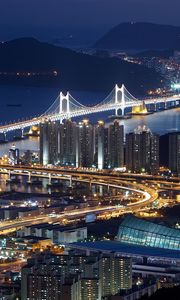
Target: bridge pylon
column 62, row 98
column 122, row 101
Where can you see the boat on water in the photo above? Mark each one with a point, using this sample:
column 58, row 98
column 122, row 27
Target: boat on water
column 119, row 117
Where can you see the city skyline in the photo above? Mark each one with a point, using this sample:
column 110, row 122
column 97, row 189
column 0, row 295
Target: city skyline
column 89, row 149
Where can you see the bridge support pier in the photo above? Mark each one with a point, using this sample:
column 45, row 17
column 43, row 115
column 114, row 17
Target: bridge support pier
column 70, row 181
column 122, row 111
column 9, row 176
column 5, row 136
column 29, row 178
column 22, row 132
column 49, row 179
column 116, row 111
column 100, row 190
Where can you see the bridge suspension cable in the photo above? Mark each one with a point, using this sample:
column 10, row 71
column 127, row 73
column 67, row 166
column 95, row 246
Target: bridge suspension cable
column 75, row 102
column 59, row 106
column 128, row 96
column 66, row 106
column 53, row 109
column 109, row 99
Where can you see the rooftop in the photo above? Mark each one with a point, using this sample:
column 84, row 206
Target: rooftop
column 127, row 249
column 57, row 227
column 141, row 232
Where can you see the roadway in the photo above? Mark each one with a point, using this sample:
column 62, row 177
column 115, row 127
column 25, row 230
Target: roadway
column 12, row 266
column 43, row 171
column 146, row 195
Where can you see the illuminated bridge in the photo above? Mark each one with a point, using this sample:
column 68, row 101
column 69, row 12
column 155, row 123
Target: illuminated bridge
column 65, row 107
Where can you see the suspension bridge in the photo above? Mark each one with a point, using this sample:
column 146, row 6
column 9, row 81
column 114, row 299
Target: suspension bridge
column 66, row 106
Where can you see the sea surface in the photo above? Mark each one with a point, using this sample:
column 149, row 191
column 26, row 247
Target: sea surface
column 23, row 102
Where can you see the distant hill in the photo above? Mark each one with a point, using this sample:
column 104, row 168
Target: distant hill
column 56, row 66
column 141, row 36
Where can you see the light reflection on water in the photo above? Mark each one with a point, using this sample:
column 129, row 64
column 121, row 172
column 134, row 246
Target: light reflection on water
column 32, row 143
column 161, row 122
column 22, row 187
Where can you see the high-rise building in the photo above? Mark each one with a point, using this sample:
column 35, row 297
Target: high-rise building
column 142, row 151
column 49, row 132
column 101, row 146
column 115, row 274
column 90, row 289
column 13, row 155
column 121, row 274
column 154, row 161
column 164, row 150
column 85, row 144
column 42, row 278
column 116, row 145
column 75, row 277
column 82, row 144
column 43, row 283
column 71, row 288
column 174, row 152
column 27, row 157
column 67, row 143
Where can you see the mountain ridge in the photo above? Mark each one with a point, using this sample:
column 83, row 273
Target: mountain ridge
column 74, row 70
column 141, row 35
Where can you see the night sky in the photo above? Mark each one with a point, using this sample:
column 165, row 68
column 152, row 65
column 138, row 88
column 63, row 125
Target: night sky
column 84, row 19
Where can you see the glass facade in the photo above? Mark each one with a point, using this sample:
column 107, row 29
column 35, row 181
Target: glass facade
column 141, row 232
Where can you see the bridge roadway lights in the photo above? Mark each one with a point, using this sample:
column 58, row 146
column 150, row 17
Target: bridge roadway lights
column 120, row 99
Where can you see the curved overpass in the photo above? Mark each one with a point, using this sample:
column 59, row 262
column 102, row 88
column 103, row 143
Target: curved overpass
column 147, row 195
